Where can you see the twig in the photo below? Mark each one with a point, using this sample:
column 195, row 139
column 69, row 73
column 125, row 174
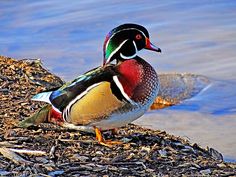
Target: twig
column 8, row 144
column 81, row 141
column 41, row 174
column 52, row 151
column 79, row 128
column 29, row 152
column 125, row 163
column 13, row 156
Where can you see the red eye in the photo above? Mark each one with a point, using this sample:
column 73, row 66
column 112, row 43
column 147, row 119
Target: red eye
column 138, row 37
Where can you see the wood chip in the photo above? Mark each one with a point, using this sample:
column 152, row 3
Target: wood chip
column 13, row 156
column 29, row 152
column 144, row 152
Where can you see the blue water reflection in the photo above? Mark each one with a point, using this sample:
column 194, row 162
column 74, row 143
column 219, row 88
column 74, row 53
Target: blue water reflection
column 217, row 99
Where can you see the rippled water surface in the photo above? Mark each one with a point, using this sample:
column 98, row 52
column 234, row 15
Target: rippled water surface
column 195, row 36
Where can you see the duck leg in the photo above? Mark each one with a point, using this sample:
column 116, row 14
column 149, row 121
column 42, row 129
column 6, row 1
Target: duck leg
column 104, row 142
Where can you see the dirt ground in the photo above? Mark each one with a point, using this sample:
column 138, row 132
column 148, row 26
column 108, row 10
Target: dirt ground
column 50, row 150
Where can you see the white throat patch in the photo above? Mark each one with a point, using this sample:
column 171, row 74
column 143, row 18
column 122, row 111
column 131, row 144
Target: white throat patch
column 132, row 56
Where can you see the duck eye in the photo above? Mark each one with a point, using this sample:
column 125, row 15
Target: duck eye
column 138, row 37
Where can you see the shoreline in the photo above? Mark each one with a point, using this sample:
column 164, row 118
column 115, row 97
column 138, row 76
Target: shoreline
column 55, row 151
column 157, row 121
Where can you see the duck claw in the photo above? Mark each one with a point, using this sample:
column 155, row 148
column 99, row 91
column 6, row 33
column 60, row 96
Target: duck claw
column 102, row 141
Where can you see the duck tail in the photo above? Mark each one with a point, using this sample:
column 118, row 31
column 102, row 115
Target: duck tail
column 44, row 96
column 37, row 118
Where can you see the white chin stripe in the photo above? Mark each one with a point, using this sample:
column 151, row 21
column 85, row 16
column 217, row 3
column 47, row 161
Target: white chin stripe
column 132, row 56
column 119, row 85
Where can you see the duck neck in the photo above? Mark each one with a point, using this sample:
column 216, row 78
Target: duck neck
column 131, row 75
column 138, row 79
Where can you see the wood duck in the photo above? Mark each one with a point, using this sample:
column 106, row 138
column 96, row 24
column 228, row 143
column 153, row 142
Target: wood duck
column 112, row 95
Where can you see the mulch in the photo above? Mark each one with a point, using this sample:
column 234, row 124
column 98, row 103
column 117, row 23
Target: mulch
column 50, row 150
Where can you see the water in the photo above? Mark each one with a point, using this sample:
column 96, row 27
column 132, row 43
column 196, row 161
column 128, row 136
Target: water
column 195, row 36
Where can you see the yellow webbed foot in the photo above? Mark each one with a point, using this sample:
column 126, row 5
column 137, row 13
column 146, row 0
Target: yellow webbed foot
column 104, row 142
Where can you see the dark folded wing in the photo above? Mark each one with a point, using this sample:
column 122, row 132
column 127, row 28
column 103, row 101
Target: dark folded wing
column 68, row 92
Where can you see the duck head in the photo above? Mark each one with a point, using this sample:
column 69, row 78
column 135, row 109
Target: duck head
column 124, row 41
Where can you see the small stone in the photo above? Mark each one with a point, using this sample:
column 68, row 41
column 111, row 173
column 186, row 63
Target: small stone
column 145, row 149
column 4, row 173
column 99, row 153
column 221, row 165
column 131, row 155
column 123, row 169
column 126, row 140
column 112, row 168
column 105, row 159
column 87, row 167
column 162, row 152
column 95, row 159
column 206, row 171
column 80, row 158
column 41, row 159
column 232, row 165
column 149, row 170
column 215, row 154
column 56, row 173
column 179, row 144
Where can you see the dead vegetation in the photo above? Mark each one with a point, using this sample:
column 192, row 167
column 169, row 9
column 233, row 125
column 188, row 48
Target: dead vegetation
column 49, row 150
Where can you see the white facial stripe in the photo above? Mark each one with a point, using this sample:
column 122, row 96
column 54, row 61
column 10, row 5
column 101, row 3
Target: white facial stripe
column 123, row 30
column 68, row 107
column 132, row 56
column 118, row 48
column 119, row 85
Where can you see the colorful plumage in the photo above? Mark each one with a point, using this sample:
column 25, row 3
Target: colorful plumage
column 111, row 95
